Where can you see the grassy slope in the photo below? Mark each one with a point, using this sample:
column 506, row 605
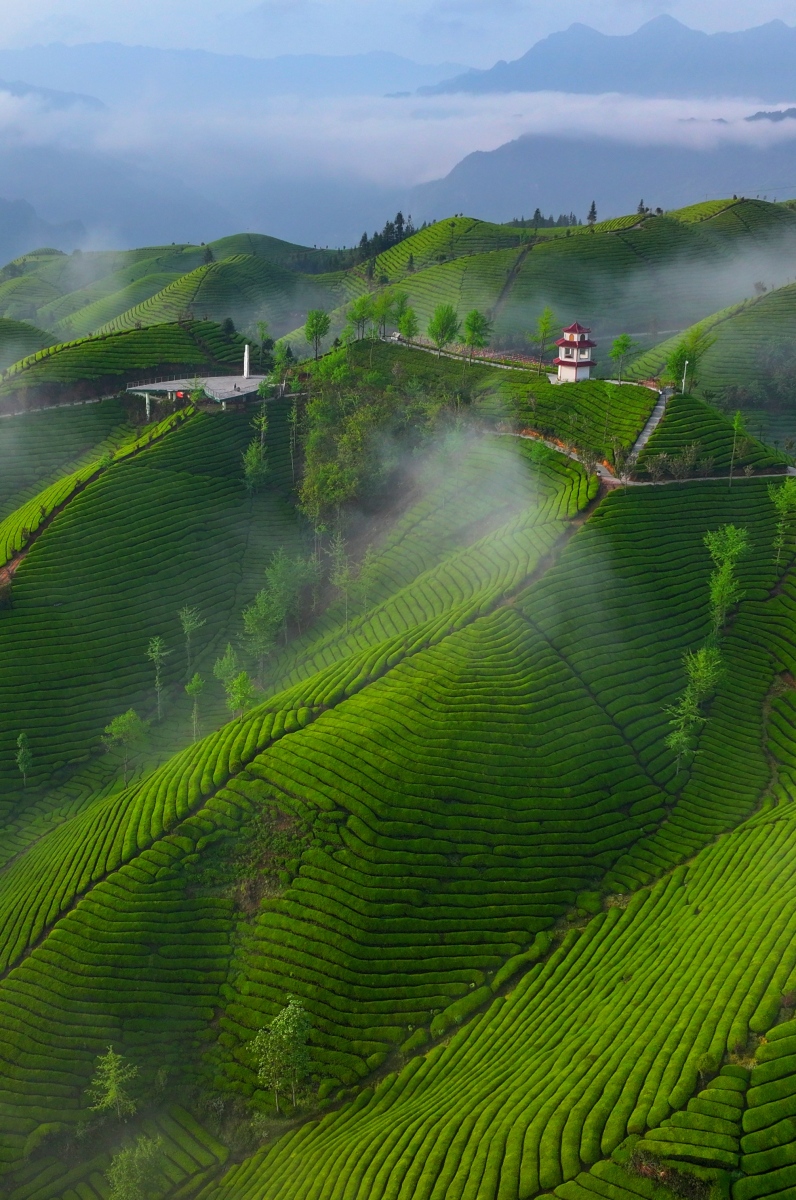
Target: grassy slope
column 603, row 1038
column 461, row 260
column 114, row 275
column 587, row 415
column 553, row 1078
column 242, row 287
column 634, row 273
column 689, row 422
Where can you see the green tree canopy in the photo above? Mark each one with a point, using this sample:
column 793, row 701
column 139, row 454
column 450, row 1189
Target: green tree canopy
column 477, row 331
column 281, row 1051
column 108, row 1089
column 24, row 758
column 408, row 325
column 134, row 1173
column 622, row 346
column 128, row 732
column 360, row 312
column 444, row 327
column 316, row 327
column 543, row 331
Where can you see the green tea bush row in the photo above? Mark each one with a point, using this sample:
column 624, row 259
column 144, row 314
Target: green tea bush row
column 606, row 1038
column 454, row 238
column 239, row 286
column 189, row 1156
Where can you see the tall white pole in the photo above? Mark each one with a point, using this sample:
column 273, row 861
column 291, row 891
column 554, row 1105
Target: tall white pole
column 685, row 372
column 246, row 370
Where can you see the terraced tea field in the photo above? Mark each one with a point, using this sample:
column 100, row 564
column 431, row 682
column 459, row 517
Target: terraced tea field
column 539, row 951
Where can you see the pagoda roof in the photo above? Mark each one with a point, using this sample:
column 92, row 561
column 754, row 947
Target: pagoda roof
column 584, row 345
column 576, row 328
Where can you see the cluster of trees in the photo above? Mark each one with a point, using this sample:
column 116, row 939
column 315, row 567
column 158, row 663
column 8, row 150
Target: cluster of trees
column 538, row 221
column 394, row 231
column 281, row 1057
column 127, row 732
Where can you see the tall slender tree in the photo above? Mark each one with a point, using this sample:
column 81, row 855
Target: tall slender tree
column 316, row 327
column 157, row 654
column 127, row 731
column 108, row 1087
column 194, row 689
column 444, row 327
column 282, row 1053
column 477, row 331
column 191, row 622
column 622, row 346
column 24, row 758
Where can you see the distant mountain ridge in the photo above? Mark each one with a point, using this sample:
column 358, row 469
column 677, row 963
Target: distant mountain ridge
column 662, row 58
column 120, row 73
column 560, row 173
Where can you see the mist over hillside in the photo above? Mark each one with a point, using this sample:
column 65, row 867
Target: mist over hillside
column 139, row 144
column 566, row 172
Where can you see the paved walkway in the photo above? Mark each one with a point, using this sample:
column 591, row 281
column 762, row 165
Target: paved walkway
column 652, row 424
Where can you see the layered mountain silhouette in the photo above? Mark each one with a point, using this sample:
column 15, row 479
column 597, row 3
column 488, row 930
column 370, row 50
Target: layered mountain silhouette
column 662, row 58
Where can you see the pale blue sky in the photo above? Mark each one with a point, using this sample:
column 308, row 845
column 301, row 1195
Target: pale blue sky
column 476, row 32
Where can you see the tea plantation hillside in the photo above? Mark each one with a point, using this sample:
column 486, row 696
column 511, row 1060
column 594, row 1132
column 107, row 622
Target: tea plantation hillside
column 640, row 273
column 396, row 772
column 660, row 270
column 240, row 287
column 174, row 524
column 444, row 799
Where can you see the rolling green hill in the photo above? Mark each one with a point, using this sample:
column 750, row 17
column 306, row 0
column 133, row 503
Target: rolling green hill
column 644, row 271
column 242, row 287
column 429, row 789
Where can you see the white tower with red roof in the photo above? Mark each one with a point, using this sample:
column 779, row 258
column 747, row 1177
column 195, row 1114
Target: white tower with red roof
column 574, row 361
